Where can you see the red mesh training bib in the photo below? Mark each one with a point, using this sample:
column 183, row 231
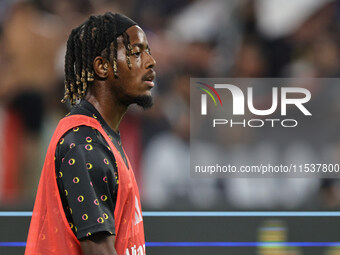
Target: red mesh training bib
column 50, row 232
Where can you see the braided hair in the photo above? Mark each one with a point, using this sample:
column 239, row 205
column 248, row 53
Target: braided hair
column 91, row 39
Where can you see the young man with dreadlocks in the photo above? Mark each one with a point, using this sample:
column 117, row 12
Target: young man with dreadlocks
column 88, row 200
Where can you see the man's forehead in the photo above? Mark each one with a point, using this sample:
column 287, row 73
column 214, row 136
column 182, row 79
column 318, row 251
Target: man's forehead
column 137, row 36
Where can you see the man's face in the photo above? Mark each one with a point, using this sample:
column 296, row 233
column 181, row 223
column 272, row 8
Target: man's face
column 134, row 85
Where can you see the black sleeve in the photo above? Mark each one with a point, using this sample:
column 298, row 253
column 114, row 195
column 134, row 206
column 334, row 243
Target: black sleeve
column 87, row 175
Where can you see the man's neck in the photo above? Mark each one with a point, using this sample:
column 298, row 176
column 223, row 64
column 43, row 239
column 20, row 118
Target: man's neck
column 109, row 108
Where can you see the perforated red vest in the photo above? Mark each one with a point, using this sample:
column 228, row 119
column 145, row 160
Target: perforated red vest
column 50, row 232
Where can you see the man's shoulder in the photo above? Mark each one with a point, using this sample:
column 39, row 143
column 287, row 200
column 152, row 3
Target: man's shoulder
column 81, row 132
column 80, row 135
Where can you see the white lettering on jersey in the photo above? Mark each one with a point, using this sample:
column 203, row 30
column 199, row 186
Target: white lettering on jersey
column 138, row 214
column 139, row 251
column 133, row 250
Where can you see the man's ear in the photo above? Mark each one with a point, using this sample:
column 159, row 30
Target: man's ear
column 101, row 67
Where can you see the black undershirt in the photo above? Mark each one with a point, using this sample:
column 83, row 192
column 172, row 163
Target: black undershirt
column 87, row 175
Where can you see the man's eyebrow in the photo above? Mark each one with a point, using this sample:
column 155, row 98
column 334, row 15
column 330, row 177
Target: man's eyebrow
column 140, row 45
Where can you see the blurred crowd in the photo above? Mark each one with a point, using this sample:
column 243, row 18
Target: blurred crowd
column 188, row 38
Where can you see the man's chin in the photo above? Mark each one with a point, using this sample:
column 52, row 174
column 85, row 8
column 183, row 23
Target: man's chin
column 144, row 101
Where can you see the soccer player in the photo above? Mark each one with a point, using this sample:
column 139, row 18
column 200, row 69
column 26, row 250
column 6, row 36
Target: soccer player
column 88, row 200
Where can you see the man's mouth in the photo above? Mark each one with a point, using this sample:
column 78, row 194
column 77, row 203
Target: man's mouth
column 149, row 77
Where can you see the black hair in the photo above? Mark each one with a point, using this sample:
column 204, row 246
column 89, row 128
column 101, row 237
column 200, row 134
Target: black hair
column 89, row 40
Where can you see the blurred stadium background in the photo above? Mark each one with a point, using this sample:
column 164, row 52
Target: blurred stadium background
column 188, row 38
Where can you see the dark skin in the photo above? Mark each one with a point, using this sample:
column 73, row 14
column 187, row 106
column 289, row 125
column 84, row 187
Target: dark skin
column 112, row 97
column 99, row 244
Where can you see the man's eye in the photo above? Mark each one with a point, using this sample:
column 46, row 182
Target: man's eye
column 137, row 54
column 148, row 51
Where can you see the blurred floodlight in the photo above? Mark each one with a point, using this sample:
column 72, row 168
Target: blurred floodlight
column 277, row 18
